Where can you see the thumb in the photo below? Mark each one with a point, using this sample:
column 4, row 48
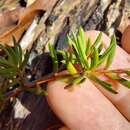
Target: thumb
column 86, row 108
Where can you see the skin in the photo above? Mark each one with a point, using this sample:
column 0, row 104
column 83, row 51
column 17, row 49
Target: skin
column 89, row 106
column 125, row 39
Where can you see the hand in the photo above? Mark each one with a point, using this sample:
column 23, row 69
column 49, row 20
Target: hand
column 90, row 107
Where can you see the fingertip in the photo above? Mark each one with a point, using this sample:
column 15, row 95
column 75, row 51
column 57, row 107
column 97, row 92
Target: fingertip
column 80, row 108
column 125, row 40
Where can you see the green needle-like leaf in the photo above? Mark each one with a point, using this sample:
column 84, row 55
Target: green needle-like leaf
column 82, row 53
column 105, row 55
column 121, row 80
column 66, row 56
column 75, row 81
column 112, row 53
column 13, row 56
column 77, row 44
column 88, row 49
column 83, row 38
column 127, row 72
column 20, row 54
column 124, row 82
column 5, row 63
column 98, row 39
column 18, row 51
column 80, row 45
column 96, row 43
column 25, row 60
column 71, row 68
column 79, row 80
column 10, row 57
column 103, row 84
column 79, row 49
column 74, row 38
column 71, row 43
column 8, row 72
column 54, row 58
column 95, row 59
column 100, row 48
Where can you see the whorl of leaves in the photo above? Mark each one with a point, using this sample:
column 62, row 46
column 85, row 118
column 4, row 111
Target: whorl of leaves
column 12, row 67
column 89, row 57
column 82, row 60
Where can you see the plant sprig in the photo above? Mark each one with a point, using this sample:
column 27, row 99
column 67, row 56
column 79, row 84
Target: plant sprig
column 89, row 57
column 83, row 60
column 12, row 68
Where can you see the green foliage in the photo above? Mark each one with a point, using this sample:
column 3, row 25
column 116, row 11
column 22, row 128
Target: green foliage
column 89, row 57
column 83, row 60
column 102, row 83
column 112, row 53
column 13, row 61
column 12, row 67
column 77, row 80
column 54, row 58
column 118, row 78
column 71, row 68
